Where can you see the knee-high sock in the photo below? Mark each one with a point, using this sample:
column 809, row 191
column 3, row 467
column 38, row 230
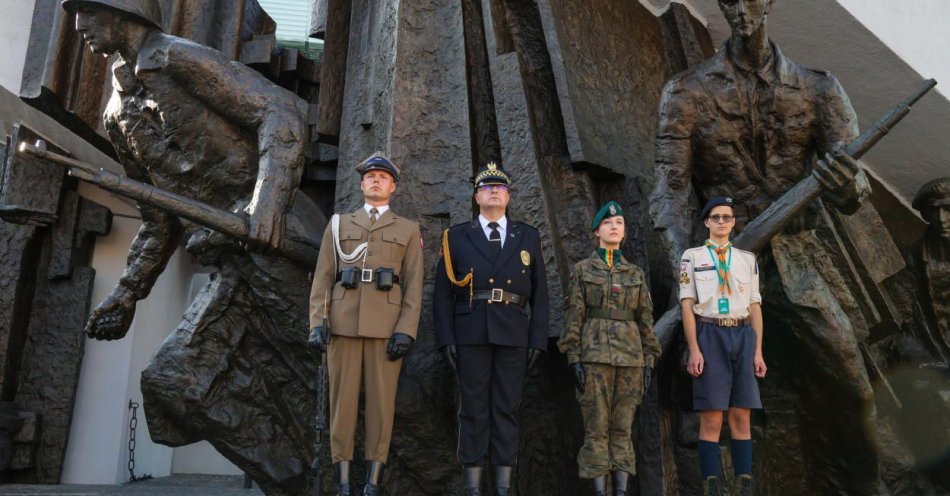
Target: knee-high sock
column 709, row 458
column 742, row 456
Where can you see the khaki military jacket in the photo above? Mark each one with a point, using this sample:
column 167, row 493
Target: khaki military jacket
column 394, row 242
column 628, row 343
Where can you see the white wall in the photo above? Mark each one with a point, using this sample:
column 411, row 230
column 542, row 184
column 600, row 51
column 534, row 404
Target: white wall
column 14, row 38
column 918, row 31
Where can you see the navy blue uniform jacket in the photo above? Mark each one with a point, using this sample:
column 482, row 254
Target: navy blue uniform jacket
column 458, row 322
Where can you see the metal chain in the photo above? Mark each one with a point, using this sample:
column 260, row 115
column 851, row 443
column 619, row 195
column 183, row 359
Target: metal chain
column 133, row 423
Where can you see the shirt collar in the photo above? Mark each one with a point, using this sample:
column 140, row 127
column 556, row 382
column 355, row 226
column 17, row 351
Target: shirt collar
column 502, row 222
column 778, row 67
column 381, row 210
column 709, row 241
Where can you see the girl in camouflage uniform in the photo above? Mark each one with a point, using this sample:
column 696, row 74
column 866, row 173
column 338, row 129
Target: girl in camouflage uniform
column 610, row 345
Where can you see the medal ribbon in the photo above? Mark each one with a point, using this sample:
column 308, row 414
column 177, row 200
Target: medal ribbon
column 722, row 266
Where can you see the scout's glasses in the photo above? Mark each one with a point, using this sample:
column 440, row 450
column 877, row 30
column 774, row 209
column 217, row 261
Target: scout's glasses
column 725, row 219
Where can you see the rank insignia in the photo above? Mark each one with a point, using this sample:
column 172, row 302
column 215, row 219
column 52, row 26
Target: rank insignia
column 684, row 277
column 525, row 257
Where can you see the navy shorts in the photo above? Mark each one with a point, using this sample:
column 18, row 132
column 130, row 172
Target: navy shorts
column 728, row 378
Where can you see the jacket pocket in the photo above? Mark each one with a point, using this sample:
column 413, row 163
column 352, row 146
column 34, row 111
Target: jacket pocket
column 707, row 285
column 396, row 244
column 594, row 283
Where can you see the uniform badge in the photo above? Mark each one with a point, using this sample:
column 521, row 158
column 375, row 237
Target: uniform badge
column 684, row 277
column 613, row 210
column 525, row 257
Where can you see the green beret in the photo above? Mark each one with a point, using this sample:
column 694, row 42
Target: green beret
column 610, row 209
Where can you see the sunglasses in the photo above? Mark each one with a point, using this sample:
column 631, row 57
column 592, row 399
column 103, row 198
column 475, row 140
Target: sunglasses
column 722, row 218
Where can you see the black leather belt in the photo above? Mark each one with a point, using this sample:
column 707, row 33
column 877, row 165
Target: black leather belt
column 366, row 275
column 612, row 314
column 497, row 295
column 723, row 322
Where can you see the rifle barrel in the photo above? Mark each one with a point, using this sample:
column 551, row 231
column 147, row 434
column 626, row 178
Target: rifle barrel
column 235, row 225
column 761, row 230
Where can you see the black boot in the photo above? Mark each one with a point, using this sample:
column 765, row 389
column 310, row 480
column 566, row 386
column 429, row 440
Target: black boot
column 502, row 481
column 374, row 475
column 712, row 486
column 341, row 474
column 600, row 485
column 620, row 482
column 744, row 485
column 473, row 481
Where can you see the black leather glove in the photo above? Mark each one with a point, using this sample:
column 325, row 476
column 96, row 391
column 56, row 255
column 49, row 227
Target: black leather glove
column 533, row 354
column 320, row 338
column 580, row 376
column 451, row 356
column 398, row 346
column 647, row 378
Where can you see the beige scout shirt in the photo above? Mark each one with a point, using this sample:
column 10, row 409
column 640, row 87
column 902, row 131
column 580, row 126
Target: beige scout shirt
column 699, row 281
column 366, row 312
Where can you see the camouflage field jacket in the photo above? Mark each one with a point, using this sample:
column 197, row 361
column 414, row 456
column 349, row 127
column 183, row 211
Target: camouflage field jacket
column 625, row 339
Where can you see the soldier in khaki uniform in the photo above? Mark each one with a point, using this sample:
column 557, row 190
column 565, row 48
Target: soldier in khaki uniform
column 609, row 342
column 368, row 284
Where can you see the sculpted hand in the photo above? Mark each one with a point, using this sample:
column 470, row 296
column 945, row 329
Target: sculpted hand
column 266, row 228
column 451, row 356
column 205, row 245
column 533, row 354
column 580, row 376
column 841, row 177
column 320, row 338
column 113, row 317
column 696, row 364
column 759, row 365
column 398, row 346
column 647, row 378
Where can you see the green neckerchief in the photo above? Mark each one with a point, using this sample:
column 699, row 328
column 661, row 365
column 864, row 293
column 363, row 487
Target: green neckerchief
column 610, row 257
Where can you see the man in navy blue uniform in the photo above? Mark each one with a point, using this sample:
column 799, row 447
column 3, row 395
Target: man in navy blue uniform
column 490, row 306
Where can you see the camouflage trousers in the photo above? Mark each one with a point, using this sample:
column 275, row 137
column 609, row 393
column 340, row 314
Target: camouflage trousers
column 608, row 404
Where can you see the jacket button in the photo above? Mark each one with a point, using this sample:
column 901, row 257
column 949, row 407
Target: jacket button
column 491, row 281
column 509, row 281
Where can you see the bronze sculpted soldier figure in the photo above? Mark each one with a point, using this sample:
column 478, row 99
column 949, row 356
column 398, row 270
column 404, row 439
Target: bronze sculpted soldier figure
column 933, row 203
column 749, row 124
column 184, row 118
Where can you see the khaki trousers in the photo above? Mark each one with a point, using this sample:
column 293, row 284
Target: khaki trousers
column 352, row 361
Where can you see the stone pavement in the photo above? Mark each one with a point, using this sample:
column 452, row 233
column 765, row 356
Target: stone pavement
column 184, row 485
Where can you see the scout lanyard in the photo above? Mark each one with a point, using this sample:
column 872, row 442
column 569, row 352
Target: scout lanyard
column 722, row 266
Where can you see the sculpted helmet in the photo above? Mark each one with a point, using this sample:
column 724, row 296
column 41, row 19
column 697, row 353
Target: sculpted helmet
column 146, row 11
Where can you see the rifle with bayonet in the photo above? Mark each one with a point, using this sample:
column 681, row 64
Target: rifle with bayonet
column 293, row 248
column 760, row 231
column 320, row 419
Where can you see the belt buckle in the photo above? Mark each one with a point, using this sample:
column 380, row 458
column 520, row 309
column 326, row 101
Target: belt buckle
column 497, row 294
column 729, row 322
column 366, row 275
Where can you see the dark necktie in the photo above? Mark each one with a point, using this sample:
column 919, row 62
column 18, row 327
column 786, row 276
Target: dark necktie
column 372, row 216
column 494, row 240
